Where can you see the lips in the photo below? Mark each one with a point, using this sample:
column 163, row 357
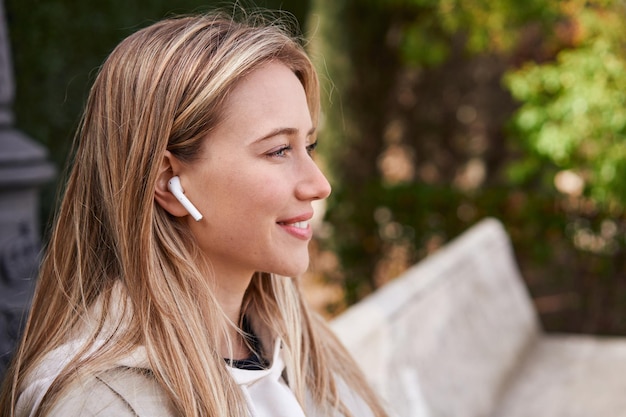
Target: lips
column 298, row 226
column 301, row 218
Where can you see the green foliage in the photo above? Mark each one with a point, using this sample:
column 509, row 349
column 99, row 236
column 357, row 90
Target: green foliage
column 425, row 77
column 421, row 47
column 487, row 25
column 378, row 41
column 573, row 111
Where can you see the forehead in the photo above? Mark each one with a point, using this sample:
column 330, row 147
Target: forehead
column 269, row 97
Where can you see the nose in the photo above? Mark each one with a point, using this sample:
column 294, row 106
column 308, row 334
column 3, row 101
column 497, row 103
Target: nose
column 313, row 185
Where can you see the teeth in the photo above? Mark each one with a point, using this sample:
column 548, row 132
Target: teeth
column 298, row 225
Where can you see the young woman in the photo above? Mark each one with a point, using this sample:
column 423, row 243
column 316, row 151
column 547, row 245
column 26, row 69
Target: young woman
column 166, row 287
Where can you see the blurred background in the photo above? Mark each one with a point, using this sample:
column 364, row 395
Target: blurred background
column 437, row 113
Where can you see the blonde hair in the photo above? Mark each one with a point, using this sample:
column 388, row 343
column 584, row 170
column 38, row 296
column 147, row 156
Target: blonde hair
column 163, row 88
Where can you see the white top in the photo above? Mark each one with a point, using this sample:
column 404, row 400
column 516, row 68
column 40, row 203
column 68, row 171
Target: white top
column 265, row 390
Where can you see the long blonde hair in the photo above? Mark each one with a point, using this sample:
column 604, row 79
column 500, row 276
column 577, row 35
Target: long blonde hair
column 163, row 88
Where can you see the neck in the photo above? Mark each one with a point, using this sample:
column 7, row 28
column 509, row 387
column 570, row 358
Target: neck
column 229, row 294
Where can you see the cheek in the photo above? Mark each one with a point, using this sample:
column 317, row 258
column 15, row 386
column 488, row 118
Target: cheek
column 241, row 214
column 256, row 189
column 245, row 196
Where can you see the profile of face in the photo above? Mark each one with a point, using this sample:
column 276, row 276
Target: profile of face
column 255, row 179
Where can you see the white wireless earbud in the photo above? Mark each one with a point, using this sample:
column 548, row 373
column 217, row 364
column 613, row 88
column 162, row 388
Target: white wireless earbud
column 175, row 188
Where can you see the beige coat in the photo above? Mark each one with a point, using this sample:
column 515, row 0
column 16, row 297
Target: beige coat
column 120, row 392
column 130, row 390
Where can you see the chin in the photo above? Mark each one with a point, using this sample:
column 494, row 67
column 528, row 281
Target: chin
column 293, row 271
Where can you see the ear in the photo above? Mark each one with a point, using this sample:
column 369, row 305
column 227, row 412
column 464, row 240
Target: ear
column 169, row 167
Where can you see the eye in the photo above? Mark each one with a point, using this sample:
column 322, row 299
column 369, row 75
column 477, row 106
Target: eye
column 280, row 152
column 311, row 148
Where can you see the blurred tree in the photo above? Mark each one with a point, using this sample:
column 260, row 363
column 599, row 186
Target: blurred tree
column 574, row 108
column 419, row 146
column 403, row 92
column 571, row 129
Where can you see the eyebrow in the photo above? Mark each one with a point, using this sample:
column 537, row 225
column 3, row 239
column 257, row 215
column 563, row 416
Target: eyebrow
column 287, row 131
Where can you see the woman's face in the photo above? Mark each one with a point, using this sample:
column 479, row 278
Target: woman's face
column 255, row 180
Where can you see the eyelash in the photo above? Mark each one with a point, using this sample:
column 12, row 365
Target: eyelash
column 310, row 149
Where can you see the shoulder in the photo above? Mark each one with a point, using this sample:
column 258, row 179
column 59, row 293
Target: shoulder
column 118, row 392
column 121, row 391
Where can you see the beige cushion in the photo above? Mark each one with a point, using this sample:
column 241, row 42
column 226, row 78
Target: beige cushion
column 568, row 375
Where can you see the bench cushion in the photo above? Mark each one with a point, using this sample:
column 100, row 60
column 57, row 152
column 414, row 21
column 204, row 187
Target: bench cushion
column 569, row 375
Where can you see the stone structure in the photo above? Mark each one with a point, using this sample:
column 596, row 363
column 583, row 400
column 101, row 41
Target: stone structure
column 23, row 169
column 457, row 336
